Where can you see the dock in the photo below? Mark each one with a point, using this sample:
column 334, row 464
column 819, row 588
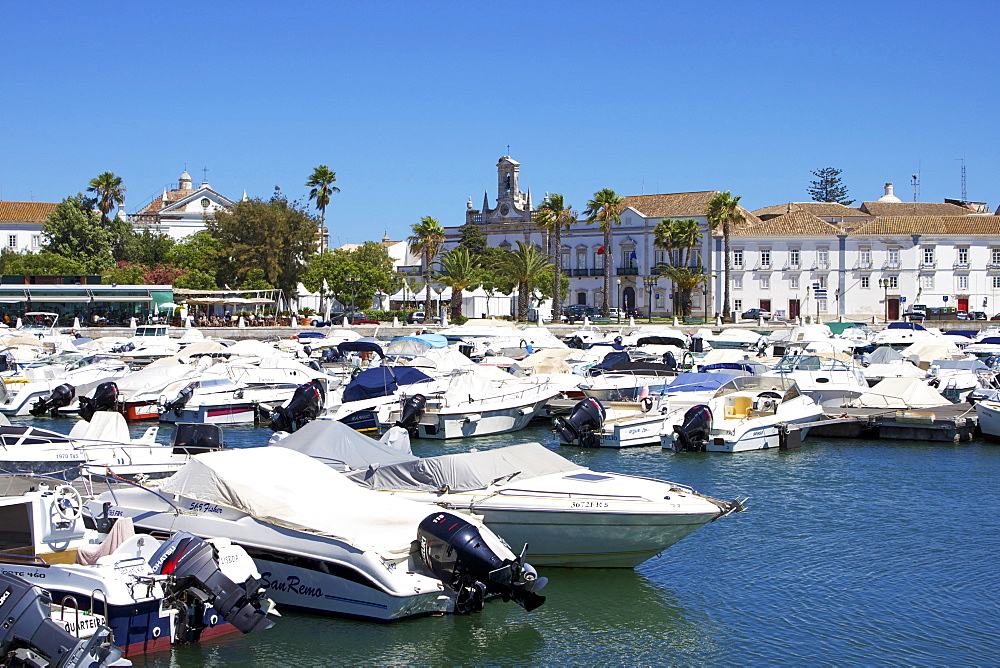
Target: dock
column 950, row 423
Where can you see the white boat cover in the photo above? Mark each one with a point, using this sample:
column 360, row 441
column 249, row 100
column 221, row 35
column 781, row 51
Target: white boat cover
column 466, row 471
column 288, row 489
column 883, row 355
column 929, row 350
column 901, row 393
column 104, row 426
column 896, row 370
column 337, row 445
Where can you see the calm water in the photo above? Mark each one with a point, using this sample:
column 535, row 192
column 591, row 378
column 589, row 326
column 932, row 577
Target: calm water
column 852, row 552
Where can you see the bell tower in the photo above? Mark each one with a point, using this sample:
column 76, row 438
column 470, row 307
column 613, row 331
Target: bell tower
column 512, row 204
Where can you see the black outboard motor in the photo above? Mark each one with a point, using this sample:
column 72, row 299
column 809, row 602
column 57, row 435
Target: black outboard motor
column 456, row 552
column 412, row 411
column 329, row 355
column 29, row 637
column 583, row 424
column 693, row 433
column 200, row 585
column 105, row 399
column 180, row 401
column 60, row 397
column 669, row 360
column 304, row 406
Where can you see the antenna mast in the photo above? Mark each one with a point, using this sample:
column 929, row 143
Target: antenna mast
column 965, row 194
column 915, row 182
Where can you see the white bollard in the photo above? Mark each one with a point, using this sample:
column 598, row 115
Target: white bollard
column 586, row 321
column 76, row 323
column 631, row 321
column 187, row 322
column 444, row 320
column 395, row 321
column 240, row 323
column 132, row 324
column 18, row 324
column 539, row 320
column 345, row 321
column 677, row 323
column 760, row 321
column 718, row 320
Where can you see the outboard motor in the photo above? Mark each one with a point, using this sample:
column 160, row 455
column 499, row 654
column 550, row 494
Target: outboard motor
column 304, row 406
column 456, row 552
column 124, row 348
column 60, row 397
column 329, row 355
column 583, row 424
column 180, row 401
column 7, row 362
column 693, row 433
column 199, row 584
column 669, row 361
column 576, row 342
column 105, row 399
column 30, row 637
column 412, row 411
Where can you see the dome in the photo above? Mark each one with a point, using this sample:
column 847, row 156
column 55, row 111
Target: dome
column 888, row 196
column 184, row 182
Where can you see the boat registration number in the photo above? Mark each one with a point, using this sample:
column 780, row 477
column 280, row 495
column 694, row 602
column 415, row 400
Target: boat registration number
column 588, row 504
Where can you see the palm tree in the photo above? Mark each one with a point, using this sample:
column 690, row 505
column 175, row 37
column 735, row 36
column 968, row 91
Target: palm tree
column 685, row 280
column 724, row 209
column 687, row 237
column 555, row 215
column 109, row 191
column 322, row 186
column 459, row 272
column 525, row 265
column 606, row 209
column 663, row 237
column 426, row 241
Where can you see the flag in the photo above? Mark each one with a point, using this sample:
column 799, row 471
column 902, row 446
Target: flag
column 600, row 251
column 632, row 255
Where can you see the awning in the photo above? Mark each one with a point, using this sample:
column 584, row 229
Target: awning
column 58, row 298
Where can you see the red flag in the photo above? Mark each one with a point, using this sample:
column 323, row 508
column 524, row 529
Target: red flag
column 600, row 251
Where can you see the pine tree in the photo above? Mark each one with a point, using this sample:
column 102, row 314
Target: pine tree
column 828, row 187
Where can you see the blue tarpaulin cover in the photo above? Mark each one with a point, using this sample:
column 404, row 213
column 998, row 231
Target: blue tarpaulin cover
column 380, row 381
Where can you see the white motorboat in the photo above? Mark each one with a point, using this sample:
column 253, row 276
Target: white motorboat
column 988, row 412
column 747, row 413
column 136, row 592
column 528, row 495
column 830, row 379
column 323, row 544
column 903, row 334
column 624, row 424
column 471, row 404
column 733, row 338
column 30, row 391
column 101, row 445
column 957, row 379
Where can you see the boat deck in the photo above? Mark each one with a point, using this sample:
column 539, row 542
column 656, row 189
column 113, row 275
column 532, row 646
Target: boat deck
column 949, row 423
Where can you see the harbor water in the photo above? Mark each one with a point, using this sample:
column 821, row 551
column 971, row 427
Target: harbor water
column 851, row 552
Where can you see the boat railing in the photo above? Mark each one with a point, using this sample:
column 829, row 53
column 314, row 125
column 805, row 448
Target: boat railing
column 76, row 612
column 493, row 398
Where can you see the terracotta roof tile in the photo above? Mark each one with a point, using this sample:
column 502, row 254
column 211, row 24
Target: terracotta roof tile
column 172, row 196
column 677, row 205
column 818, row 209
column 897, row 209
column 26, row 212
column 796, row 223
column 957, row 225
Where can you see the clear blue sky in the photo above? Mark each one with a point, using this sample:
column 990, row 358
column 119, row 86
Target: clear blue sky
column 413, row 103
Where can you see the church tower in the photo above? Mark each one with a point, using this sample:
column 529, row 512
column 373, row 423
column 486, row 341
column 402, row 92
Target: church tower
column 512, row 205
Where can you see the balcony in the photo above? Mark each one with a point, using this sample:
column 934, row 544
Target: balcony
column 961, row 266
column 863, row 265
column 993, row 266
column 738, row 267
column 821, row 266
column 792, row 266
column 761, row 266
column 627, row 271
column 409, row 270
column 928, row 266
column 891, row 265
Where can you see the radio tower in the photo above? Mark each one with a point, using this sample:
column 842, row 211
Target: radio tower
column 915, row 182
column 965, row 194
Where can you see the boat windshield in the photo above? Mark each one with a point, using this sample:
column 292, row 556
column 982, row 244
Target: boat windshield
column 784, row 387
column 807, row 362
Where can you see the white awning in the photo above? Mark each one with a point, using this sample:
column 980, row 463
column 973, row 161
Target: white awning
column 121, row 299
column 57, row 298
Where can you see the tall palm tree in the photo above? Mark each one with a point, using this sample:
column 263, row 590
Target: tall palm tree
column 663, row 237
column 606, row 209
column 555, row 215
column 525, row 265
column 322, row 186
column 685, row 280
column 426, row 241
column 687, row 237
column 459, row 272
column 724, row 210
column 108, row 190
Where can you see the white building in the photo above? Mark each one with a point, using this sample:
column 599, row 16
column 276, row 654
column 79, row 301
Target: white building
column 21, row 224
column 806, row 258
column 181, row 211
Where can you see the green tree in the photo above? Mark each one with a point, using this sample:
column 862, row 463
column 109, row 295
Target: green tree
column 74, row 231
column 426, row 241
column 471, row 237
column 254, row 280
column 493, row 275
column 108, row 191
column 327, row 274
column 827, row 187
column 526, row 266
column 554, row 215
column 685, row 279
column 42, row 263
column 321, row 182
column 459, row 272
column 724, row 211
column 606, row 210
column 125, row 273
column 196, row 279
column 150, row 248
column 276, row 236
column 672, row 234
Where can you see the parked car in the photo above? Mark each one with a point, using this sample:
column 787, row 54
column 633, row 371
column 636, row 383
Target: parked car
column 756, row 313
column 978, row 315
column 914, row 314
column 417, row 317
column 996, row 317
column 961, row 315
column 575, row 312
column 353, row 317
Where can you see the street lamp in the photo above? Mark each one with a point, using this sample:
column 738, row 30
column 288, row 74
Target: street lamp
column 619, row 283
column 650, row 283
column 884, row 283
column 352, row 282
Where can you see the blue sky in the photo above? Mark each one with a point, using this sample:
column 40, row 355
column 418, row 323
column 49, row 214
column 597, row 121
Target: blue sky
column 413, row 103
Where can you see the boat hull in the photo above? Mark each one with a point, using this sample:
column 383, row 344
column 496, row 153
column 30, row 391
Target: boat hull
column 988, row 413
column 438, row 425
column 241, row 413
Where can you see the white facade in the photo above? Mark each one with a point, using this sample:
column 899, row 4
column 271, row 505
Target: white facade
column 181, row 212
